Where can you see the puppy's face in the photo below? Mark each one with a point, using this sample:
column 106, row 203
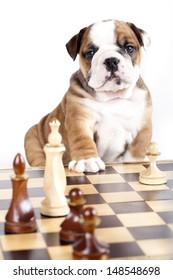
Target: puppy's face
column 110, row 55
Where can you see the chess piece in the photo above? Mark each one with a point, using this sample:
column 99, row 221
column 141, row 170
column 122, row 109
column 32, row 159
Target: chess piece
column 20, row 217
column 71, row 228
column 55, row 203
column 152, row 175
column 88, row 247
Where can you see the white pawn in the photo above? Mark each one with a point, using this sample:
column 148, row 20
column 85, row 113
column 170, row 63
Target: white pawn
column 54, row 184
column 152, row 175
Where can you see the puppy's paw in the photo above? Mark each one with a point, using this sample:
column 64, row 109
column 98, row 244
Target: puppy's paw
column 87, row 165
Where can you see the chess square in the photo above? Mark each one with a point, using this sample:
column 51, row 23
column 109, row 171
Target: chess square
column 105, row 179
column 130, row 207
column 5, row 174
column 5, row 194
column 86, row 188
column 52, row 238
column 113, row 187
column 5, row 184
column 171, row 226
column 125, row 249
column 114, row 235
column 34, row 254
column 121, row 197
column 140, row 219
column 151, row 232
column 169, row 175
column 2, row 216
column 109, row 222
column 167, row 216
column 47, row 225
column 35, row 173
column 77, row 180
column 102, row 209
column 156, row 195
column 170, row 184
column 36, row 201
column 35, row 183
column 161, row 205
column 94, row 199
column 130, row 177
column 61, row 252
column 28, row 241
column 35, row 192
column 5, row 203
column 137, row 186
column 128, row 167
column 157, row 247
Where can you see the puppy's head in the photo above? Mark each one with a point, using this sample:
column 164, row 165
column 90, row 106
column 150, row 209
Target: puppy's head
column 110, row 56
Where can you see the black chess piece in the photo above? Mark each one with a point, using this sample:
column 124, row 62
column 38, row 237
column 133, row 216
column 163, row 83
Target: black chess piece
column 88, row 247
column 71, row 228
column 20, row 217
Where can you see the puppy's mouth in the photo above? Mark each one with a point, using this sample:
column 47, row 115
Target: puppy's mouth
column 113, row 77
column 113, row 83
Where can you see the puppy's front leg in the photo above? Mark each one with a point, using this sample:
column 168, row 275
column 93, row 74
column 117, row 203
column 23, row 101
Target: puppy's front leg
column 83, row 151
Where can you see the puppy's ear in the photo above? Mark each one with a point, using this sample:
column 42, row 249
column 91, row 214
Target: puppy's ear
column 73, row 45
column 141, row 35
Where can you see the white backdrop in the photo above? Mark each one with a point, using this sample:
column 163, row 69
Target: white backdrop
column 35, row 67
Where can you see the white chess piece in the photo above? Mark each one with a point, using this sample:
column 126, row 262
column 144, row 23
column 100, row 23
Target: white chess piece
column 54, row 184
column 152, row 175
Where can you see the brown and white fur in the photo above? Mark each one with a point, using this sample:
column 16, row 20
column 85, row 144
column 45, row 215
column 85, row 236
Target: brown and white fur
column 106, row 113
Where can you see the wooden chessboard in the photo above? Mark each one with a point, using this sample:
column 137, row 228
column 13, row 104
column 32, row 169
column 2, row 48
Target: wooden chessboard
column 136, row 219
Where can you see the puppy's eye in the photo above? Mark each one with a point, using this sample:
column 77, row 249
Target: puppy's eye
column 130, row 49
column 89, row 54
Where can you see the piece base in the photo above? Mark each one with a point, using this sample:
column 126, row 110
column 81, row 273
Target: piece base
column 152, row 180
column 92, row 256
column 12, row 227
column 54, row 211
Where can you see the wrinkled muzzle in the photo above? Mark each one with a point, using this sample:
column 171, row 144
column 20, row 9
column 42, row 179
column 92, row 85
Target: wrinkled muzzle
column 112, row 71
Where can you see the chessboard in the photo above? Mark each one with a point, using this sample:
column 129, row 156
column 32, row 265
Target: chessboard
column 136, row 220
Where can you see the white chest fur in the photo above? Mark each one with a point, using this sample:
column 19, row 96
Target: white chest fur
column 117, row 123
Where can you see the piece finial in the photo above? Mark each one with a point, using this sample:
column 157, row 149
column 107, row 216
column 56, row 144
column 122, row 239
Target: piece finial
column 19, row 165
column 76, row 197
column 153, row 148
column 90, row 219
column 54, row 137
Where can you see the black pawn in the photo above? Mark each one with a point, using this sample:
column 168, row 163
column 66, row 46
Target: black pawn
column 88, row 247
column 71, row 228
column 20, row 217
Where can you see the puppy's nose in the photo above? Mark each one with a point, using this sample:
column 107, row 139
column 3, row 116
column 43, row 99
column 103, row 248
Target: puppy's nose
column 111, row 64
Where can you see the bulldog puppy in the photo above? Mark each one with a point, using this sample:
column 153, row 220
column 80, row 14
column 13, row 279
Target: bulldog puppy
column 106, row 113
